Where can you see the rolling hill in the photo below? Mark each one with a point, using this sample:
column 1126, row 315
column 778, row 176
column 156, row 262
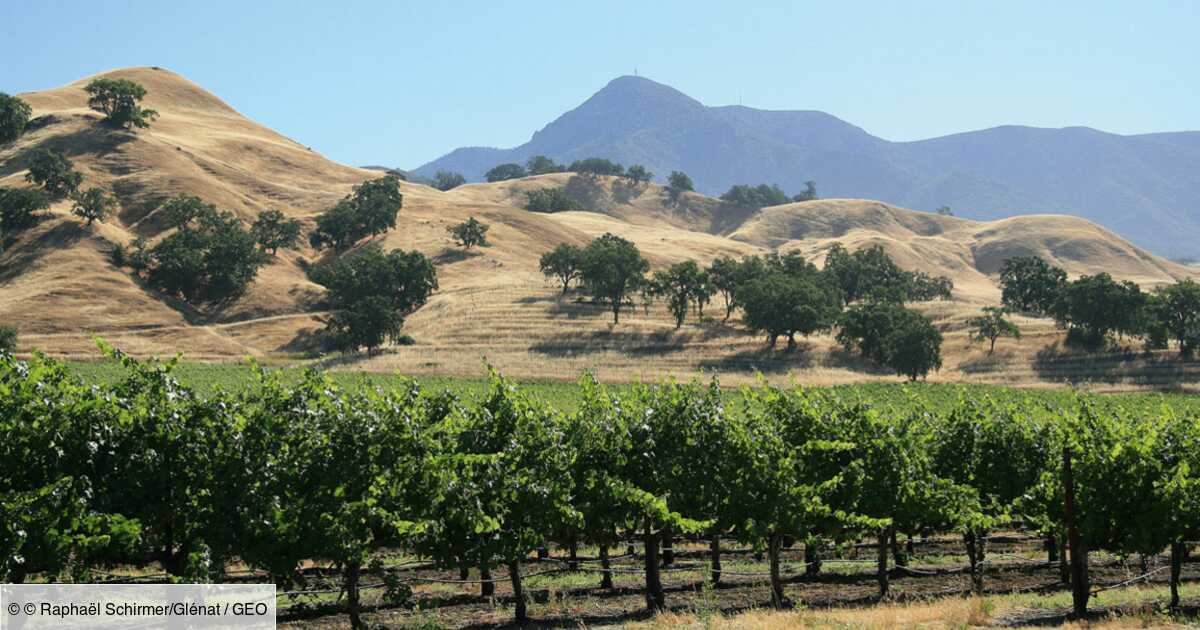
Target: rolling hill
column 58, row 286
column 1145, row 187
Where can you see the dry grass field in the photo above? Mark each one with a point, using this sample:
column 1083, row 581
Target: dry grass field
column 58, row 288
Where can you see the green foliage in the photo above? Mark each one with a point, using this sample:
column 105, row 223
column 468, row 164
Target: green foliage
column 612, row 269
column 761, row 196
column 891, row 335
column 808, row 194
column 564, row 262
column 786, row 304
column 505, row 172
column 447, row 180
column 8, row 338
column 992, row 325
column 678, row 183
column 120, row 102
column 1175, row 311
column 681, row 285
column 272, row 230
column 92, row 205
column 549, row 200
column 638, row 174
column 370, row 294
column 1031, row 285
column 53, row 172
column 1093, row 307
column 14, row 116
column 596, row 166
column 469, row 233
column 542, row 165
column 370, row 209
column 871, row 274
column 19, row 208
column 210, row 257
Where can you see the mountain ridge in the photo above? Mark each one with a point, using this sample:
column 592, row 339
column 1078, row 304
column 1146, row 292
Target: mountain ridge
column 1144, row 186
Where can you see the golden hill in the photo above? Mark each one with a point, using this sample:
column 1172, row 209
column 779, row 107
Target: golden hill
column 57, row 286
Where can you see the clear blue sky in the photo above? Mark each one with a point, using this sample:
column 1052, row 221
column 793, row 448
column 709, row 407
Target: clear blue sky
column 400, row 83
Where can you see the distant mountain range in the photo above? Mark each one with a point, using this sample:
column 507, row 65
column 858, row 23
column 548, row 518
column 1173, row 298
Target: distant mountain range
column 1145, row 187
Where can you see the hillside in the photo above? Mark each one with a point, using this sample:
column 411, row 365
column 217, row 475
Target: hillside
column 1145, row 187
column 58, row 288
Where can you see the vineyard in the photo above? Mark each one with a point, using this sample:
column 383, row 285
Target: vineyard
column 361, row 499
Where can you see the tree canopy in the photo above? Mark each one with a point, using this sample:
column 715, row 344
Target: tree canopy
column 469, row 233
column 19, row 208
column 14, row 117
column 370, row 209
column 678, row 183
column 120, row 102
column 92, row 205
column 210, row 258
column 272, row 230
column 596, row 166
column 564, row 262
column 992, row 325
column 504, row 172
column 542, row 165
column 761, row 196
column 447, row 180
column 638, row 174
column 787, row 304
column 1031, row 285
column 612, row 270
column 550, row 200
column 54, row 172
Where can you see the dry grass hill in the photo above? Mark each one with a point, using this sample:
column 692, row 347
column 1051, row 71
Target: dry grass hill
column 58, row 288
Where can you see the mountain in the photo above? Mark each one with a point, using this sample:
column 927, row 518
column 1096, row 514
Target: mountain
column 1145, row 187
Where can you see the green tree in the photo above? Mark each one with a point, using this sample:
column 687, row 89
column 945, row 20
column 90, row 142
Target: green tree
column 564, row 262
column 612, row 269
column 781, row 304
column 469, row 233
column 746, row 196
column 1031, row 285
column 596, row 166
column 447, row 180
column 1176, row 309
column 506, row 171
column 1093, row 307
column 8, row 338
column 992, row 325
column 14, row 116
column 185, row 210
column 53, row 172
column 370, row 209
column 120, row 102
column 19, row 208
column 272, row 230
column 549, row 200
column 210, row 259
column 808, row 194
column 682, row 284
column 542, row 165
column 638, row 174
column 93, row 204
column 370, row 294
column 914, row 346
column 678, row 183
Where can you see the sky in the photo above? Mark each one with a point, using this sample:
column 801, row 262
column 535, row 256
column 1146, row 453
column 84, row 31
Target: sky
column 400, row 83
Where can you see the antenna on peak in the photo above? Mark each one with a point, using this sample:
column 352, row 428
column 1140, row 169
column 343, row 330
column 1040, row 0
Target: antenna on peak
column 635, row 71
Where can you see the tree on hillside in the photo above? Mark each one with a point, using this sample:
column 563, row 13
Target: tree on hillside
column 1030, row 285
column 371, row 209
column 272, row 230
column 469, row 233
column 183, row 210
column 14, row 117
column 638, row 174
column 447, row 180
column 92, row 205
column 54, row 172
column 914, row 346
column 761, row 196
column 563, row 262
column 120, row 102
column 19, row 208
column 209, row 260
column 1176, row 310
column 371, row 292
column 682, row 284
column 596, row 166
column 612, row 270
column 542, row 165
column 782, row 304
column 678, row 183
column 808, row 194
column 549, row 200
column 945, row 211
column 506, row 171
column 864, row 327
column 8, row 339
column 992, row 325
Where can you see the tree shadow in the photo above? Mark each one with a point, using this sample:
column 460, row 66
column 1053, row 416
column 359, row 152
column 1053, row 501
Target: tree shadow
column 998, row 361
column 765, row 359
column 309, row 342
column 25, row 253
column 1113, row 365
column 624, row 192
column 629, row 343
column 452, row 255
column 575, row 309
column 587, row 191
column 95, row 139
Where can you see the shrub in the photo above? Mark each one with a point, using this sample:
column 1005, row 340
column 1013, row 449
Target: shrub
column 549, row 200
column 120, row 102
column 14, row 117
